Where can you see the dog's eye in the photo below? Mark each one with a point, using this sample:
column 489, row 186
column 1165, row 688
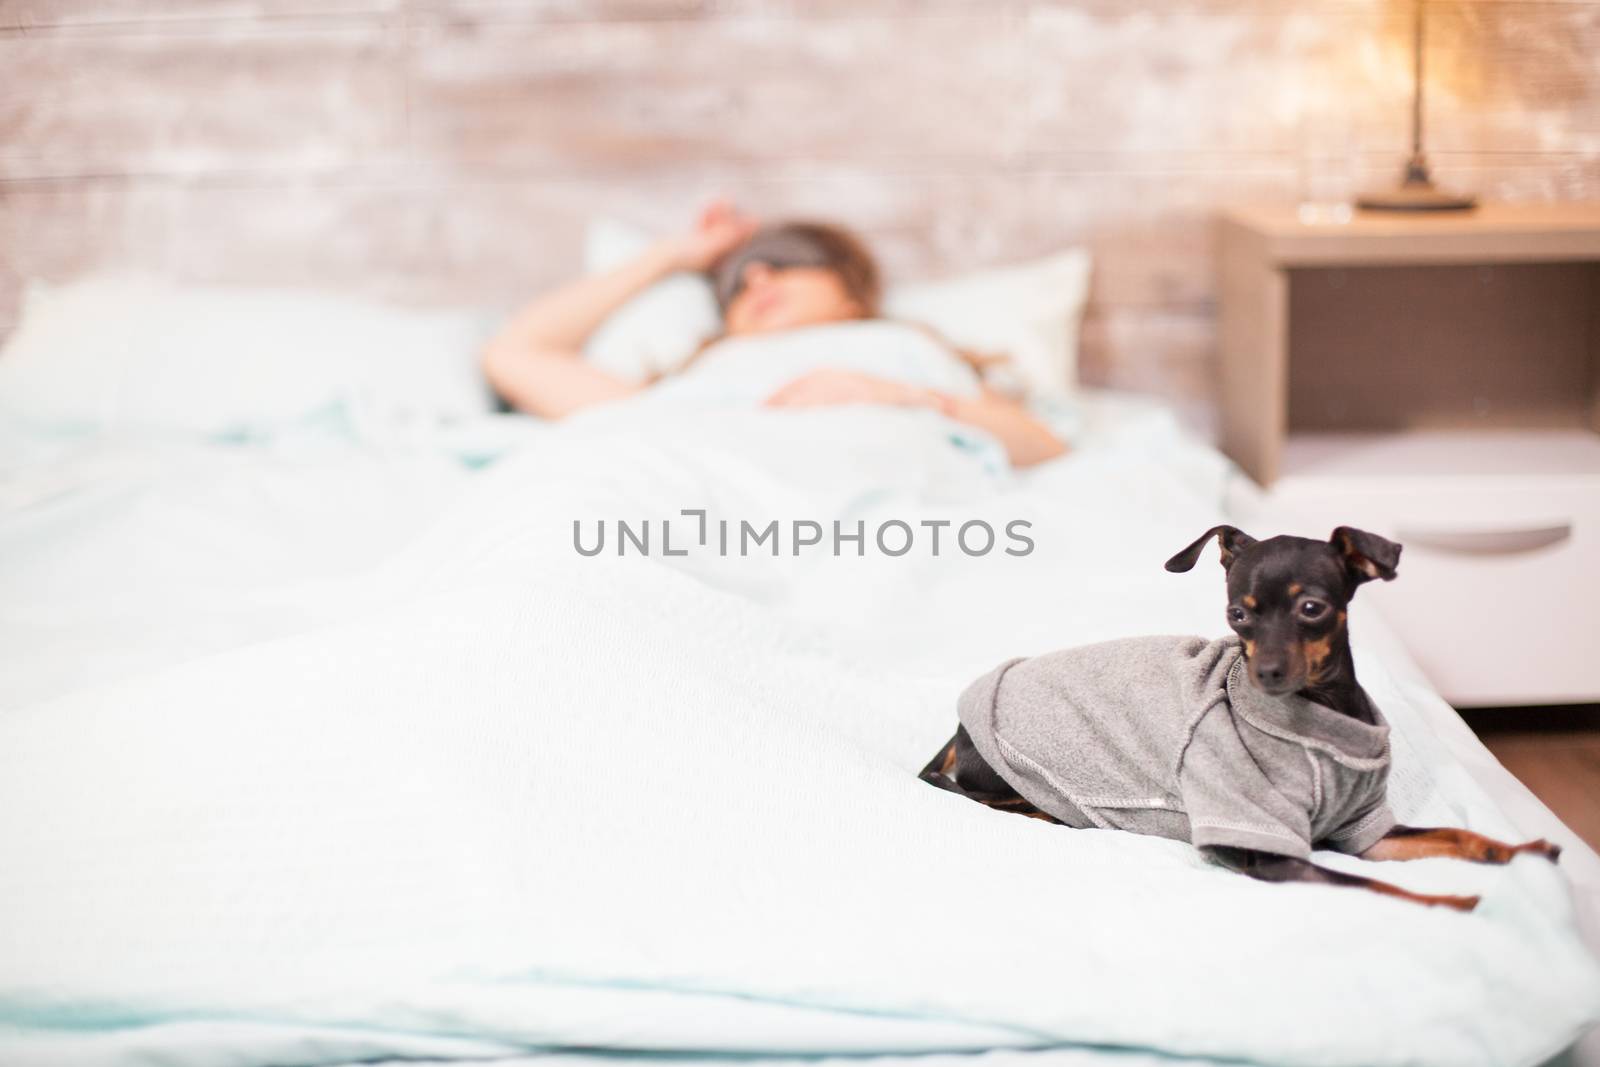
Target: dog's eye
column 1236, row 616
column 1312, row 609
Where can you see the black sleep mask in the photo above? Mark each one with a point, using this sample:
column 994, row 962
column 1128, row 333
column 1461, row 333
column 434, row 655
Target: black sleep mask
column 778, row 247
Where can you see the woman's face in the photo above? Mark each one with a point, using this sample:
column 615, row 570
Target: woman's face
column 783, row 298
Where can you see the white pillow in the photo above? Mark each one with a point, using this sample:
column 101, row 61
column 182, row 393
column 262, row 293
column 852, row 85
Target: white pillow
column 659, row 328
column 131, row 353
column 1029, row 312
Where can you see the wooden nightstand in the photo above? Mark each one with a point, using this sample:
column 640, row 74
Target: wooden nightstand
column 1437, row 380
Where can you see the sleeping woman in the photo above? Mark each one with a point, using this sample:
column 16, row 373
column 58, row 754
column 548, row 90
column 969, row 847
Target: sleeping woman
column 799, row 305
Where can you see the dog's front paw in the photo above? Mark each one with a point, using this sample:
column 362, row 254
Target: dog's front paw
column 1458, row 903
column 1496, row 852
column 1540, row 847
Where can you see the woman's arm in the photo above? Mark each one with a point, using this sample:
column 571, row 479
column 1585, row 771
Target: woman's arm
column 1027, row 441
column 536, row 360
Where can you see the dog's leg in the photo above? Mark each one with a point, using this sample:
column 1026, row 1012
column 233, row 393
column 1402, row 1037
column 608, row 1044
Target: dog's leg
column 1271, row 868
column 958, row 768
column 1415, row 843
column 941, row 768
column 1016, row 805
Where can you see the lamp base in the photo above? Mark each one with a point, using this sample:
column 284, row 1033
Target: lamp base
column 1416, row 192
column 1412, row 195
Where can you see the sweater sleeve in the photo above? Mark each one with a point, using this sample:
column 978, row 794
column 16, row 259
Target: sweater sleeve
column 1364, row 830
column 1230, row 801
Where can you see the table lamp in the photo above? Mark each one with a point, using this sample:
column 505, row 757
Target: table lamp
column 1416, row 191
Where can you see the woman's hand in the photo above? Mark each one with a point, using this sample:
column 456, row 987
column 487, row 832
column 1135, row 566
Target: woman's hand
column 1026, row 440
column 720, row 229
column 828, row 388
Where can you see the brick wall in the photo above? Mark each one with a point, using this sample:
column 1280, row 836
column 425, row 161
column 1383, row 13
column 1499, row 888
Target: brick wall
column 449, row 150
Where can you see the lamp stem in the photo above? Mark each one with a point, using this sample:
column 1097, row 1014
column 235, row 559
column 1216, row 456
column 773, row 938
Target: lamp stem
column 1416, row 191
column 1417, row 83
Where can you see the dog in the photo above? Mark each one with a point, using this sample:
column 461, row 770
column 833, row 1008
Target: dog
column 1274, row 747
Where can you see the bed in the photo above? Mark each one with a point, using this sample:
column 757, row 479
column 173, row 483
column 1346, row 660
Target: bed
column 321, row 743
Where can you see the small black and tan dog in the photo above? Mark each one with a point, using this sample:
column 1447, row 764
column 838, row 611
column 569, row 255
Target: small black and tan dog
column 1287, row 600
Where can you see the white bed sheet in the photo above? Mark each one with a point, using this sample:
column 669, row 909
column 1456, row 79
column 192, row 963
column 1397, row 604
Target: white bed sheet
column 120, row 555
column 120, row 565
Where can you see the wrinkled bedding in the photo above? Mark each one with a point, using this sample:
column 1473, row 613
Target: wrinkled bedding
column 437, row 786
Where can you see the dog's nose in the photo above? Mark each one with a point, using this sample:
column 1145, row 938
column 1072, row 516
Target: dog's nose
column 1271, row 673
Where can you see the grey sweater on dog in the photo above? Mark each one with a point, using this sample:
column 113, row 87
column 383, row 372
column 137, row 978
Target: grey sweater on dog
column 1166, row 736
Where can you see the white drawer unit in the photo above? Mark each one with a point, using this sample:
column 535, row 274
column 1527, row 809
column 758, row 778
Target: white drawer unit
column 1498, row 596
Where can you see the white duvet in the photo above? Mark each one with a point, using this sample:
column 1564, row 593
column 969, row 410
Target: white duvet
column 493, row 797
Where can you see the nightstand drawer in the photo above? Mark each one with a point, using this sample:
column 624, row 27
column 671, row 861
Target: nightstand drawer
column 1499, row 578
column 1497, row 608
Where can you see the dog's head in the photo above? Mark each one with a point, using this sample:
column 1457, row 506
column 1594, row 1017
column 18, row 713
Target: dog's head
column 1287, row 598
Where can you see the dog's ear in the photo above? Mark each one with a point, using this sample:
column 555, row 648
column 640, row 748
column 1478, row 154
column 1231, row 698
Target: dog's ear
column 1230, row 539
column 1366, row 555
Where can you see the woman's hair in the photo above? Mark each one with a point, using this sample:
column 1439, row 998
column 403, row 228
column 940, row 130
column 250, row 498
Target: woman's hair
column 803, row 244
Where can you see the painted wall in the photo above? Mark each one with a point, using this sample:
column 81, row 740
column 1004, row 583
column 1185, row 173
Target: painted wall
column 448, row 150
